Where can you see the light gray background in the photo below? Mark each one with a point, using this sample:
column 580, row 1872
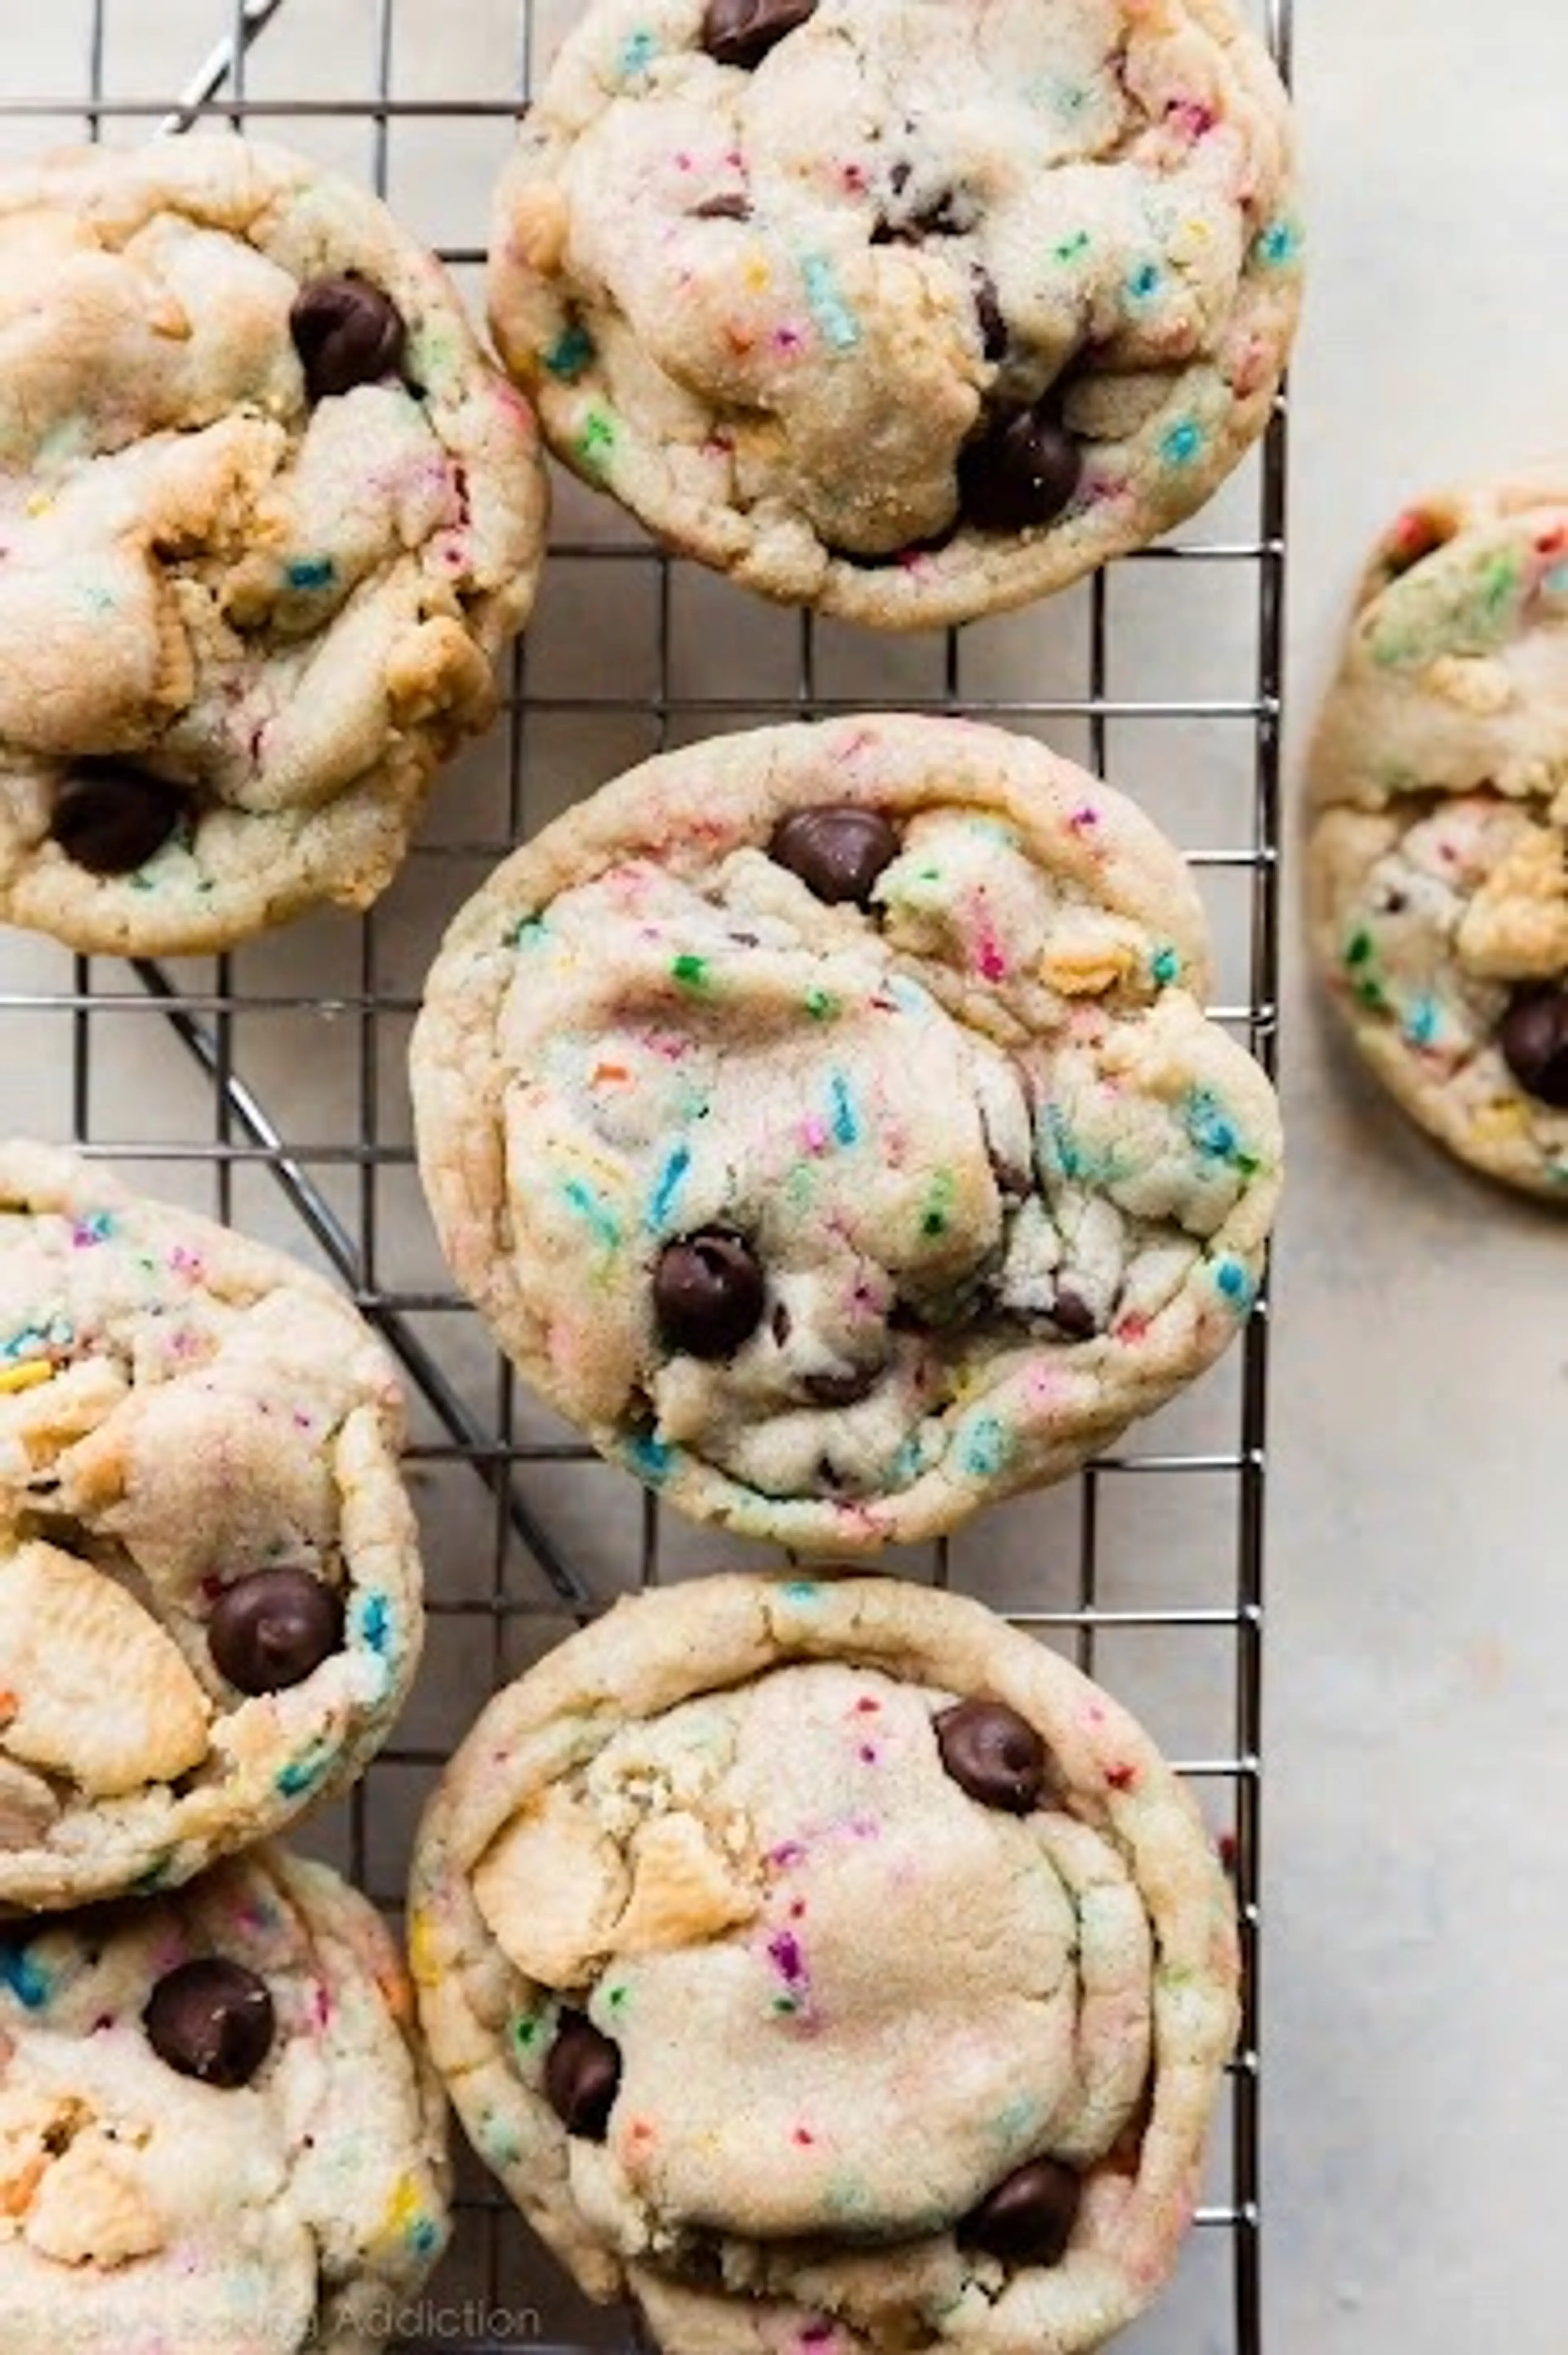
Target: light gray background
column 1415, row 2025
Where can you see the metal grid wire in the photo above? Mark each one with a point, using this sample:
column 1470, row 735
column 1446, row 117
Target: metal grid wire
column 526, row 1534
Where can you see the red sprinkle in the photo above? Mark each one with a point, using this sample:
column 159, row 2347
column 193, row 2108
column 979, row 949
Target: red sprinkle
column 802, row 2136
column 1122, row 1778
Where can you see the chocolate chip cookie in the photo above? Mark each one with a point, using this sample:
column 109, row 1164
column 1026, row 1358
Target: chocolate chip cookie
column 827, row 1122
column 267, row 516
column 907, row 310
column 217, row 2131
column 827, row 1965
column 209, row 1579
column 1438, row 858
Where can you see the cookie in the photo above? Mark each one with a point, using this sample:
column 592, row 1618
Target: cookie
column 826, row 1120
column 267, row 517
column 1437, row 867
column 827, row 1965
column 906, row 310
column 210, row 1575
column 217, row 2131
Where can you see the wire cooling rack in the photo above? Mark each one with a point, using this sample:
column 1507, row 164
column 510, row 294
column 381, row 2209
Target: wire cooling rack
column 269, row 1086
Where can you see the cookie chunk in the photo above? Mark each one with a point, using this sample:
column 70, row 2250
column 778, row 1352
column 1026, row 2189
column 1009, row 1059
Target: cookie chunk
column 267, row 517
column 907, row 310
column 826, row 1120
column 209, row 1577
column 1438, row 862
column 828, row 1964
column 217, row 2131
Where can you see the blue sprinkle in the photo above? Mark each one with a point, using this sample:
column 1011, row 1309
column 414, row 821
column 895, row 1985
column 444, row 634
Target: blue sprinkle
column 637, row 53
column 1423, row 1022
column 304, row 1773
column 1207, row 1126
column 1144, row 281
column 827, row 304
column 96, row 1228
column 28, row 1983
column 1183, row 443
column 376, row 1625
column 801, row 1590
column 312, row 572
column 1280, row 242
column 1167, row 967
column 423, row 2236
column 669, row 1186
column 845, row 1127
column 986, row 1448
column 1555, row 582
column 1235, row 1283
column 649, row 1456
column 584, row 1200
column 1069, row 1161
column 570, row 352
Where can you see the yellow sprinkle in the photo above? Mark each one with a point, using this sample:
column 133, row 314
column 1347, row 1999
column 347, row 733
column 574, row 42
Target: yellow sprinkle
column 27, row 1376
column 39, row 504
column 1501, row 1120
column 423, row 1949
column 404, row 2207
column 755, row 272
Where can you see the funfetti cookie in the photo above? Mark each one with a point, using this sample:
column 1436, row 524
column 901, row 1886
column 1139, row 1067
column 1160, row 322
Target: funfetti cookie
column 827, row 1122
column 823, row 1964
column 1438, row 865
column 209, row 1576
column 218, row 2135
column 267, row 517
column 910, row 310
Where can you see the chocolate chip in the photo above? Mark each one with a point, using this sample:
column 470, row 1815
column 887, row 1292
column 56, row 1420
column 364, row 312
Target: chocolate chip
column 582, row 2075
column 841, row 1389
column 707, row 1293
column 1023, row 470
column 211, row 2019
column 1072, row 1317
column 346, row 332
column 741, row 32
column 722, row 209
column 994, row 337
column 993, row 1753
column 110, row 818
column 783, row 1324
column 270, row 1629
column 1535, row 1042
column 1029, row 2218
column 838, row 851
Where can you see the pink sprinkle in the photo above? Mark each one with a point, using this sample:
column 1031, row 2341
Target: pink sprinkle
column 683, row 160
column 990, row 959
column 788, row 339
column 867, row 1754
column 854, row 179
column 1190, row 116
column 105, row 2020
column 1082, row 819
column 302, row 1421
column 797, row 1908
column 787, row 1853
column 322, row 2005
column 802, row 2135
column 816, row 2334
column 813, row 1134
column 866, row 1707
column 184, row 1262
column 1132, row 1328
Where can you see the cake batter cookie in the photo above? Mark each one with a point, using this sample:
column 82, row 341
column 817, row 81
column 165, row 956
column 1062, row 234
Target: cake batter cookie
column 827, row 1965
column 826, row 1120
column 1439, row 860
column 217, row 2133
column 267, row 517
column 907, row 310
column 209, row 1577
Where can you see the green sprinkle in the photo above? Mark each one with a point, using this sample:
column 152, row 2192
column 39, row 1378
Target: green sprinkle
column 525, row 2031
column 1359, row 950
column 939, row 1204
column 691, row 972
column 637, row 53
column 528, row 934
column 1071, row 247
column 1373, row 996
column 782, row 2003
column 1167, row 967
column 596, row 441
column 822, row 1006
column 616, row 1997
